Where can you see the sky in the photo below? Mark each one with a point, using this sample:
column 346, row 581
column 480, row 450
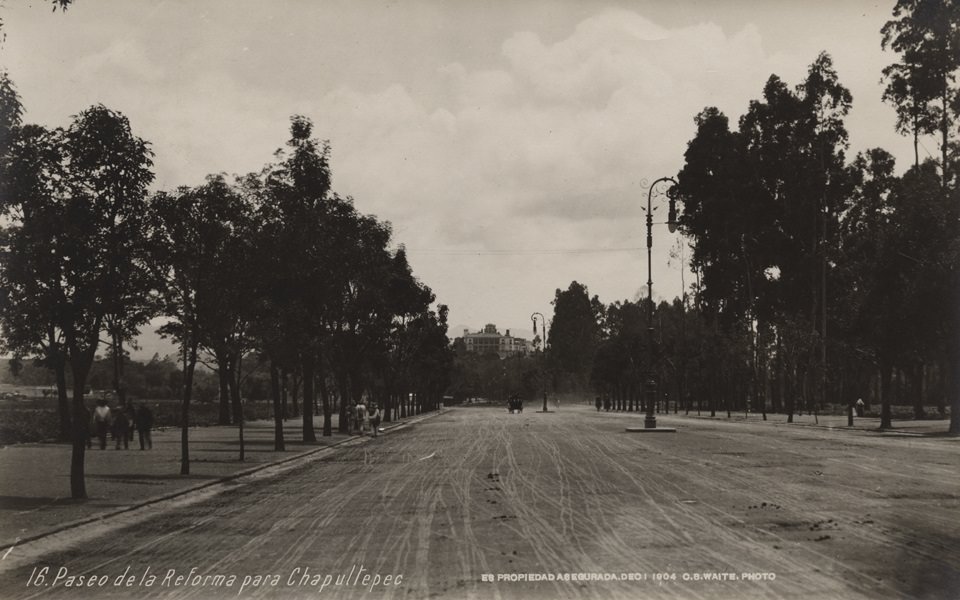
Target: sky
column 511, row 144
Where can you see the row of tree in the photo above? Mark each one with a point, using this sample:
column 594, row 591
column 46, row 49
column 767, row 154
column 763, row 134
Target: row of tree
column 159, row 378
column 816, row 275
column 271, row 266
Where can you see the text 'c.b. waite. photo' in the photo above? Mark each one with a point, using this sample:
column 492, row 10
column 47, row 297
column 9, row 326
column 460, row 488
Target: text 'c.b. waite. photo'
column 546, row 299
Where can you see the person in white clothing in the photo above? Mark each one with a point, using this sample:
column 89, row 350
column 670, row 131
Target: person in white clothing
column 362, row 417
column 101, row 421
column 375, row 418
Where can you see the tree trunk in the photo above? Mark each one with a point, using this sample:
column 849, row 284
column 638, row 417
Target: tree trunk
column 116, row 343
column 81, row 429
column 234, row 374
column 916, row 385
column 80, row 363
column 278, row 407
column 916, row 135
column 387, row 403
column 327, row 414
column 955, row 409
column 951, row 374
column 343, row 424
column 189, row 365
column 295, row 393
column 283, row 393
column 223, row 372
column 791, row 388
column 945, row 132
column 343, row 419
column 939, row 383
column 236, row 402
column 306, row 365
column 886, row 371
column 764, row 383
column 63, row 400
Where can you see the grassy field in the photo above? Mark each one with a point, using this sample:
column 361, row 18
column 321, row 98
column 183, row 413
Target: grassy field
column 35, row 420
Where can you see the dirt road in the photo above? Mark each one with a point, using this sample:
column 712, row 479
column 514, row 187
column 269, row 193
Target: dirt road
column 477, row 503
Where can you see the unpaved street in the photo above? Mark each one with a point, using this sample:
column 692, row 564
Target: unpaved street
column 568, row 501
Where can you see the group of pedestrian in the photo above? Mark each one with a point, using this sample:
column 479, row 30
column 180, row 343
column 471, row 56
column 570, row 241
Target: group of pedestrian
column 365, row 417
column 121, row 422
column 606, row 403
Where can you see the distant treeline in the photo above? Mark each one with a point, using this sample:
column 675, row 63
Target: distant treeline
column 155, row 379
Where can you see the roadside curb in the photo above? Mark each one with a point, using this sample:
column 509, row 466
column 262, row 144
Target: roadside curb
column 893, row 430
column 190, row 489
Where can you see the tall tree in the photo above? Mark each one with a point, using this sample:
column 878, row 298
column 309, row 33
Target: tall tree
column 762, row 206
column 226, row 333
column 905, row 90
column 32, row 196
column 191, row 240
column 73, row 209
column 360, row 322
column 30, row 172
column 574, row 333
column 871, row 290
column 407, row 298
column 726, row 212
column 298, row 187
column 111, row 167
column 926, row 35
column 923, row 84
column 432, row 356
column 11, row 111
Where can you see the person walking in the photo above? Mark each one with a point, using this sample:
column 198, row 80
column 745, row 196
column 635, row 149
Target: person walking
column 121, row 428
column 598, row 403
column 91, row 428
column 366, row 419
column 101, row 421
column 130, row 412
column 361, row 417
column 375, row 418
column 144, row 421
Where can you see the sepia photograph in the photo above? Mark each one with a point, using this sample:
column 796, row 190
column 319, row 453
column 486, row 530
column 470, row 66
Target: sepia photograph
column 470, row 299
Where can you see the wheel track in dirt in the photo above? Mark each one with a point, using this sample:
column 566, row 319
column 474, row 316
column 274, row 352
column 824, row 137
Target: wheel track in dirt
column 906, row 475
column 485, row 492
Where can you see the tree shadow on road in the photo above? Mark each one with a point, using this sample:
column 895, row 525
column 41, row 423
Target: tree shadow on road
column 31, row 503
column 134, row 477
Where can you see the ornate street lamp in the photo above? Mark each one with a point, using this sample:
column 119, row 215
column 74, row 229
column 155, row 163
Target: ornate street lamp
column 543, row 340
column 650, row 421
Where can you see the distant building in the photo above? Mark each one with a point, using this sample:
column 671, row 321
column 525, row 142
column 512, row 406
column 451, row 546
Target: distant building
column 490, row 340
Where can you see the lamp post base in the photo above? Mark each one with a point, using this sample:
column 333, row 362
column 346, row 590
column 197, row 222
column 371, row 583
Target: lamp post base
column 650, row 422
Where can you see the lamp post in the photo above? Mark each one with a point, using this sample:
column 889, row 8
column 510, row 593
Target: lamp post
column 650, row 421
column 543, row 328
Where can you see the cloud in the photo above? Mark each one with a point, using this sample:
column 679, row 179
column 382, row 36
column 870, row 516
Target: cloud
column 470, row 132
column 561, row 131
column 123, row 58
